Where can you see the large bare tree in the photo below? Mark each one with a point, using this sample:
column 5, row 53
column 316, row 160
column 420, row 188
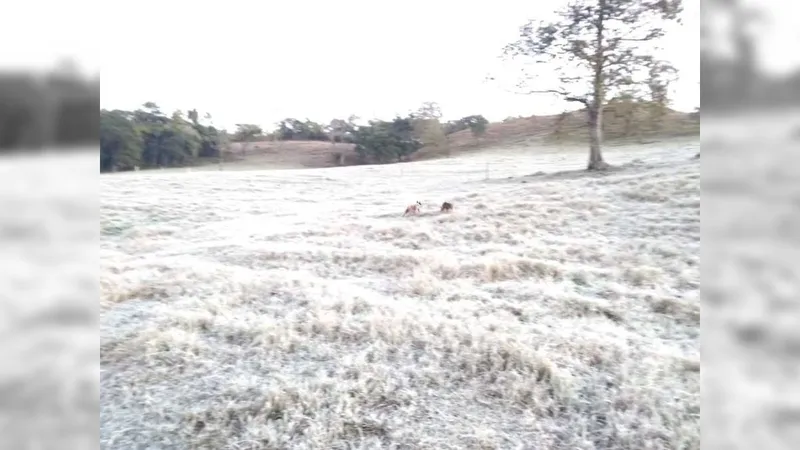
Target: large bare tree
column 596, row 47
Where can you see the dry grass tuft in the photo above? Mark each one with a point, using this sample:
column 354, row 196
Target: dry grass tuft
column 557, row 313
column 678, row 309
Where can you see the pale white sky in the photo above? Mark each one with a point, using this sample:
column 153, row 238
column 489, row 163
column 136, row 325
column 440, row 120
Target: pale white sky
column 773, row 32
column 262, row 61
column 37, row 33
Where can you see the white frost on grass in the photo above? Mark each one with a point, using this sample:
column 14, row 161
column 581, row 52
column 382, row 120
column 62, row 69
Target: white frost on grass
column 48, row 311
column 298, row 309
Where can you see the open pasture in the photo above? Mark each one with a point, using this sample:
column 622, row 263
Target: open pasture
column 299, row 309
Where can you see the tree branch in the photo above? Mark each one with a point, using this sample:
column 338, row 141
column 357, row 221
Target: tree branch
column 567, row 97
column 643, row 39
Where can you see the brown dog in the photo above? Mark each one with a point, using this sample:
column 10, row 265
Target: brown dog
column 447, row 207
column 413, row 209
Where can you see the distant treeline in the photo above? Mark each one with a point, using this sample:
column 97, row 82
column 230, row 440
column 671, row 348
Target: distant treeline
column 149, row 138
column 733, row 84
column 48, row 110
column 738, row 81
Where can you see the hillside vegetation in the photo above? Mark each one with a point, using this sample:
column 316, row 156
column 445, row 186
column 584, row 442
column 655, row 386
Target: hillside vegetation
column 624, row 123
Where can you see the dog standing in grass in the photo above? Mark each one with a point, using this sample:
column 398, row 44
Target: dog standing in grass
column 413, row 209
column 447, row 207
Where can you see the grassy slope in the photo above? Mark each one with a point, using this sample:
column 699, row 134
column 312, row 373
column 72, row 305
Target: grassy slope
column 297, row 309
column 519, row 131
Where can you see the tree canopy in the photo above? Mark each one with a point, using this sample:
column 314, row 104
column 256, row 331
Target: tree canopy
column 147, row 137
column 382, row 141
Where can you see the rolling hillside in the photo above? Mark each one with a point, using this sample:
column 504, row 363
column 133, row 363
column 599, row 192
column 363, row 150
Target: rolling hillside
column 510, row 132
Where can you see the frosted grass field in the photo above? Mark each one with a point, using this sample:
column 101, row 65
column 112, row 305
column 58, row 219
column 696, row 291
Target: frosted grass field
column 751, row 280
column 298, row 309
column 48, row 301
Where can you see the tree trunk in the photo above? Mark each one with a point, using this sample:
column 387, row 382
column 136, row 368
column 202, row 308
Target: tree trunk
column 628, row 123
column 595, row 139
column 598, row 101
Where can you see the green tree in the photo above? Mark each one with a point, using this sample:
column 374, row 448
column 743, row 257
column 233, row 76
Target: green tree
column 340, row 130
column 147, row 138
column 166, row 141
column 313, row 131
column 454, row 126
column 182, row 141
column 596, row 47
column 151, row 122
column 287, row 129
column 245, row 134
column 625, row 107
column 209, row 135
column 223, row 143
column 383, row 142
column 427, row 126
column 660, row 75
column 477, row 126
column 301, row 130
column 193, row 116
column 120, row 142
